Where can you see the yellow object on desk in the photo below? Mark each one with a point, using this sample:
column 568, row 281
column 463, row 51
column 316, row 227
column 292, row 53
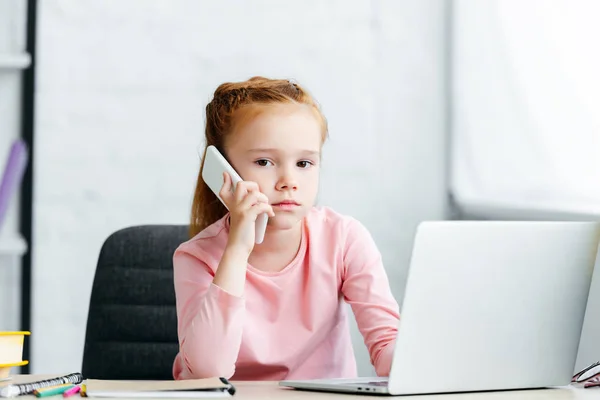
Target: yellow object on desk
column 11, row 351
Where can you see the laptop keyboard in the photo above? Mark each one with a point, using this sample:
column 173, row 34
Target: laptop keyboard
column 373, row 383
column 377, row 383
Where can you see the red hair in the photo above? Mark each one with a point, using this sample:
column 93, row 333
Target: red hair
column 223, row 113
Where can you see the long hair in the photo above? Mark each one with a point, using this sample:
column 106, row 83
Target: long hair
column 222, row 114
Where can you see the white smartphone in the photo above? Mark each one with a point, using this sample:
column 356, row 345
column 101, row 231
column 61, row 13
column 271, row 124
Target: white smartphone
column 212, row 173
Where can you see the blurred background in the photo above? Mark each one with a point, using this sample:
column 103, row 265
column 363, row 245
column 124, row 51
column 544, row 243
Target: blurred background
column 438, row 109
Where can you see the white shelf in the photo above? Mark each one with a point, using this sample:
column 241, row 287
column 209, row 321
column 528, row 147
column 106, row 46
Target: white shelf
column 15, row 61
column 12, row 246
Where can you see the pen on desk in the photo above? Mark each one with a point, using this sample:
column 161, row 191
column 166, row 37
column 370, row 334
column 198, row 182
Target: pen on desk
column 75, row 389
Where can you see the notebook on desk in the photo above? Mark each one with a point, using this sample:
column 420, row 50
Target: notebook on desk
column 191, row 388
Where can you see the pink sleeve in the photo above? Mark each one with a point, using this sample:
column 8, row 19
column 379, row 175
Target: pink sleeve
column 209, row 321
column 366, row 288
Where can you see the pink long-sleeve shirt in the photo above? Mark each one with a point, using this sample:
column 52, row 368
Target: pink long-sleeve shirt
column 289, row 324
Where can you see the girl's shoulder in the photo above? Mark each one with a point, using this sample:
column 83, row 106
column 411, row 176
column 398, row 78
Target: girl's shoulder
column 208, row 244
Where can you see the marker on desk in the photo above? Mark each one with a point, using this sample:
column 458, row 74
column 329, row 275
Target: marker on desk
column 53, row 390
column 75, row 389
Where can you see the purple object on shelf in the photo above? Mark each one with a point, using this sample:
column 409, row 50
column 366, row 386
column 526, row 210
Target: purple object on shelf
column 13, row 174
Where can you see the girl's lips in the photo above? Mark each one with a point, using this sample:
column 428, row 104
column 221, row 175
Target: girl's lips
column 286, row 205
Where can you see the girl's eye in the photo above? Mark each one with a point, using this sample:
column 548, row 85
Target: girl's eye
column 304, row 164
column 263, row 163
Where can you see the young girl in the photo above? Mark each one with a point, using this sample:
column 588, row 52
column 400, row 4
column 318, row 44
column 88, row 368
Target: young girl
column 275, row 310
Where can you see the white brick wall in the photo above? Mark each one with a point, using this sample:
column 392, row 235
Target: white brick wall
column 121, row 90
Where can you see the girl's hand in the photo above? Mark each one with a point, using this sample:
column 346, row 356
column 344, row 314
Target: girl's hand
column 245, row 205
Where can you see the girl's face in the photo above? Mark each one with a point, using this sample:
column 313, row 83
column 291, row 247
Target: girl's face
column 280, row 150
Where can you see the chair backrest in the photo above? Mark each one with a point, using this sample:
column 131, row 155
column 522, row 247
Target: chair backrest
column 132, row 322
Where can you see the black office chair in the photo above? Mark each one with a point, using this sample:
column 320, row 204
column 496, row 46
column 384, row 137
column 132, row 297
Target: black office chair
column 132, row 322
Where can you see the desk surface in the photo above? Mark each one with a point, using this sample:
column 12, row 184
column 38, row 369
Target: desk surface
column 270, row 390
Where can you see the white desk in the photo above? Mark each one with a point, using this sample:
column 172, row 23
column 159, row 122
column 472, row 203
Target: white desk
column 270, row 390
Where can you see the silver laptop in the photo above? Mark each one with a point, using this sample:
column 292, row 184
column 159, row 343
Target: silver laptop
column 488, row 305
